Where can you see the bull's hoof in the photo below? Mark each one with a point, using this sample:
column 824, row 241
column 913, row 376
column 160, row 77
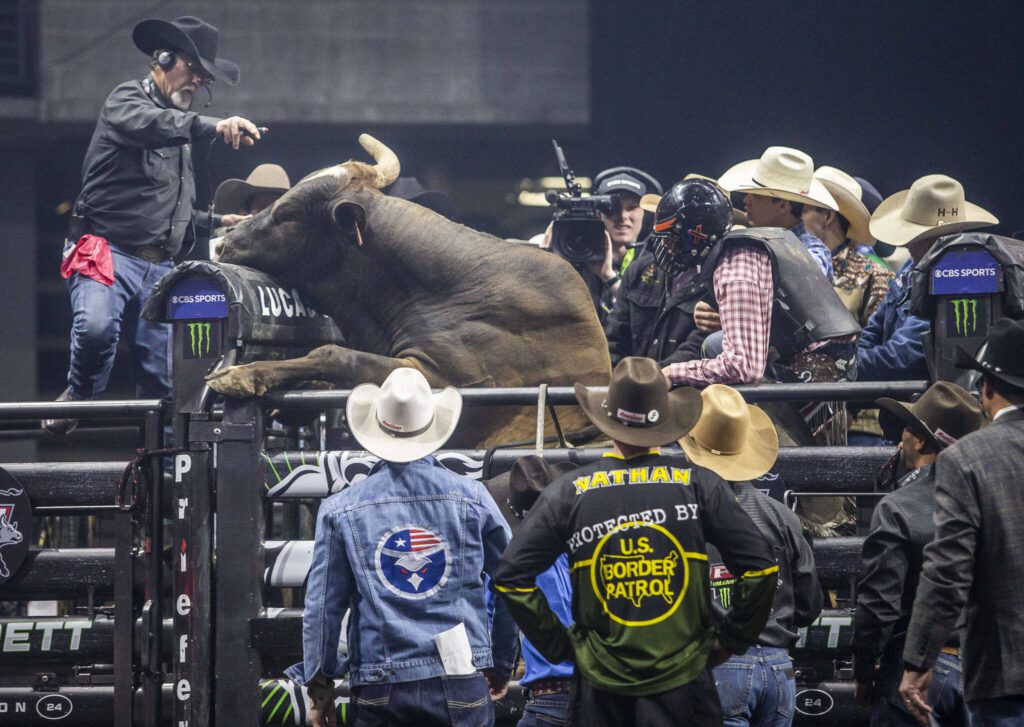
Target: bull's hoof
column 238, row 382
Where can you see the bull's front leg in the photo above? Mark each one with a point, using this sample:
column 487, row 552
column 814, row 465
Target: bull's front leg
column 340, row 366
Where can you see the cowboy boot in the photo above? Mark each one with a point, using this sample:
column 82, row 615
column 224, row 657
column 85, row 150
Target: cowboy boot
column 61, row 426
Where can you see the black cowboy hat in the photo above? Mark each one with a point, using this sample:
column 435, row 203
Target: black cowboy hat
column 517, row 490
column 188, row 35
column 639, row 409
column 410, row 189
column 1000, row 355
column 942, row 415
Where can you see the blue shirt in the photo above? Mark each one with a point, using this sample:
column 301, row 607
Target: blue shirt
column 891, row 346
column 555, row 585
column 816, row 247
column 407, row 550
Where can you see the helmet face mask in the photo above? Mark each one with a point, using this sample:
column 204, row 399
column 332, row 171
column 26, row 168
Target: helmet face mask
column 691, row 218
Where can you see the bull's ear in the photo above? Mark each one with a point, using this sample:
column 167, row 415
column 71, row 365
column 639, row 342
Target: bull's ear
column 349, row 219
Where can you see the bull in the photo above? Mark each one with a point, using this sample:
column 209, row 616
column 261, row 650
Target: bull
column 408, row 287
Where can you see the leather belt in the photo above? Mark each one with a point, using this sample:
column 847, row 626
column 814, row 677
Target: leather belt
column 543, row 687
column 951, row 650
column 150, row 253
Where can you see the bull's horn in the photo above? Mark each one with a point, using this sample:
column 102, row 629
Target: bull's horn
column 387, row 165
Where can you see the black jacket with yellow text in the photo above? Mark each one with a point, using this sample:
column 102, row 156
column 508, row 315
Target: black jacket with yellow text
column 636, row 532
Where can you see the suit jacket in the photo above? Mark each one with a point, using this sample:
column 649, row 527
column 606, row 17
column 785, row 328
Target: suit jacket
column 976, row 559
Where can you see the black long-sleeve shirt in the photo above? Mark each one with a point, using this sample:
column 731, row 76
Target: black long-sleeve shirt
column 137, row 178
column 798, row 599
column 902, row 524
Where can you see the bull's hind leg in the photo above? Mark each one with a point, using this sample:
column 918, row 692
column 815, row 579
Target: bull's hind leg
column 340, row 366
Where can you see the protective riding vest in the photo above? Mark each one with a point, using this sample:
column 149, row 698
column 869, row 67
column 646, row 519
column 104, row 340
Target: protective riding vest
column 806, row 308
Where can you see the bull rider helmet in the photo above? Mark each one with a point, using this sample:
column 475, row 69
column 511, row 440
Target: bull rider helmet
column 690, row 219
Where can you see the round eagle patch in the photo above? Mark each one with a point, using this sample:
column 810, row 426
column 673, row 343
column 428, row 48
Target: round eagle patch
column 412, row 562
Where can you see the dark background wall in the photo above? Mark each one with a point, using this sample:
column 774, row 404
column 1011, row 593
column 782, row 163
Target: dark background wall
column 470, row 92
column 886, row 90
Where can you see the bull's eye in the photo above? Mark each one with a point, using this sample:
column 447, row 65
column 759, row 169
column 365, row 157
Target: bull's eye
column 286, row 214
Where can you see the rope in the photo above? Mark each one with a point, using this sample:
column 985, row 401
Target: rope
column 542, row 395
column 129, row 489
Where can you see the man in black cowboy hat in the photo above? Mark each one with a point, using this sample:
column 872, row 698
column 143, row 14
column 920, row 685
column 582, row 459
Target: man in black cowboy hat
column 901, row 526
column 974, row 559
column 545, row 684
column 635, row 525
column 134, row 212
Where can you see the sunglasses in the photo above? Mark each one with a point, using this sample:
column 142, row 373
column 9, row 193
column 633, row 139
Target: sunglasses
column 197, row 70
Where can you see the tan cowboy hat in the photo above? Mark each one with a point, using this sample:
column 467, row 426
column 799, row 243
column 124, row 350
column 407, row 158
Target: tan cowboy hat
column 639, row 409
column 934, row 205
column 781, row 172
column 402, row 420
column 232, row 194
column 944, row 413
column 733, row 439
column 847, row 191
column 650, row 202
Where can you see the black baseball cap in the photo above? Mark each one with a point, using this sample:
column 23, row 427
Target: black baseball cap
column 626, row 179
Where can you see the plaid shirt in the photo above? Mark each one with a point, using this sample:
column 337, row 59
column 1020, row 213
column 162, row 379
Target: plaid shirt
column 745, row 292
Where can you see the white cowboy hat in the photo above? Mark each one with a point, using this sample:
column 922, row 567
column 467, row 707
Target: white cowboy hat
column 782, row 173
column 934, row 205
column 736, row 441
column 402, row 420
column 846, row 191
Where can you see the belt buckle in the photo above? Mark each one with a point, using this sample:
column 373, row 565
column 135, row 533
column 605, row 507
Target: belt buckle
column 151, row 254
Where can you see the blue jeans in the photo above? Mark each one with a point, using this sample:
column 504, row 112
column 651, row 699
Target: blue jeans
column 757, row 688
column 451, row 700
column 103, row 313
column 549, row 709
column 713, row 345
column 998, row 712
column 945, row 695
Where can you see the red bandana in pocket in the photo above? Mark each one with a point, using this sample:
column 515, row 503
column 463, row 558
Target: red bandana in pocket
column 91, row 257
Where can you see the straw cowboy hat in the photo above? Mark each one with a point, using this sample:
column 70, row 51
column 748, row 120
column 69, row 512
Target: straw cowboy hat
column 847, row 193
column 736, row 441
column 649, row 202
column 402, row 420
column 1000, row 355
column 232, row 195
column 934, row 205
column 188, row 35
column 517, row 490
column 944, row 413
column 639, row 409
column 782, row 173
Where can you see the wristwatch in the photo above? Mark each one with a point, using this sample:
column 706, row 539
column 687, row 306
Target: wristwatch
column 612, row 280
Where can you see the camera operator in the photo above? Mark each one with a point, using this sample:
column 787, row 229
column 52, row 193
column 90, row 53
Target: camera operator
column 623, row 224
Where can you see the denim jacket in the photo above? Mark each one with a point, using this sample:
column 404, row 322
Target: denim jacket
column 891, row 345
column 406, row 549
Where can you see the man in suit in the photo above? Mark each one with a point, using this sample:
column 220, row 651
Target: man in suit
column 974, row 559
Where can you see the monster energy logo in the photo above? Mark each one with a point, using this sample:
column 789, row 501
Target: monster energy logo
column 965, row 311
column 199, row 335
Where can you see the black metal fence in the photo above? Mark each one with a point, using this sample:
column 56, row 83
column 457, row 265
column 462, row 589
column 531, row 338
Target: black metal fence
column 201, row 629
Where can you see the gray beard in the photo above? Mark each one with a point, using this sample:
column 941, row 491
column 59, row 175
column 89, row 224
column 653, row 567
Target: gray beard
column 179, row 99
